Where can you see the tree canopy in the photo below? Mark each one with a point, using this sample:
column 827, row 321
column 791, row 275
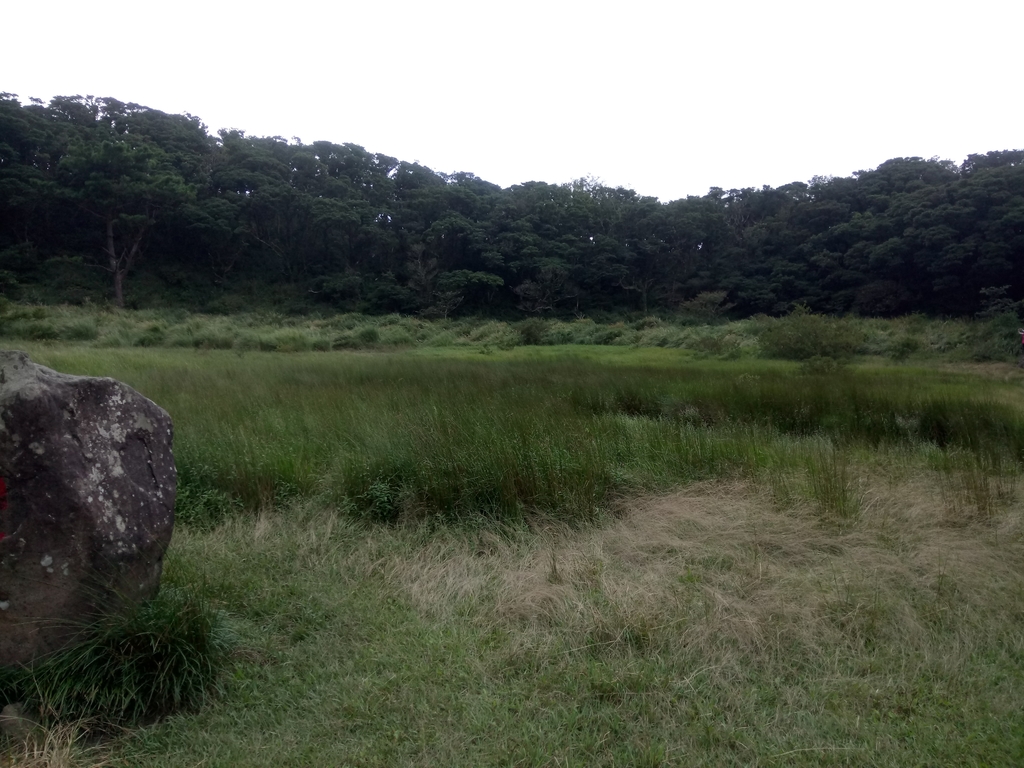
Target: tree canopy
column 105, row 199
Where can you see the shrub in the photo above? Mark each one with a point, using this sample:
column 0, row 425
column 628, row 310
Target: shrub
column 85, row 329
column 442, row 339
column 903, row 347
column 30, row 329
column 562, row 333
column 647, row 322
column 609, row 335
column 802, row 335
column 715, row 344
column 397, row 336
column 707, row 306
column 531, row 331
column 996, row 339
column 368, row 334
column 153, row 336
column 28, row 313
column 247, row 341
column 292, row 340
column 346, row 322
column 496, row 333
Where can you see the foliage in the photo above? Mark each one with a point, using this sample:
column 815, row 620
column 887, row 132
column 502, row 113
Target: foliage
column 234, row 221
column 898, row 340
column 997, row 338
column 708, row 305
column 149, row 660
column 531, row 331
column 802, row 335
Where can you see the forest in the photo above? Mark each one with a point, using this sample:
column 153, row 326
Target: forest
column 106, row 201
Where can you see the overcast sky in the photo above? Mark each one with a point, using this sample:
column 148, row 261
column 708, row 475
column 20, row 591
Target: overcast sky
column 666, row 98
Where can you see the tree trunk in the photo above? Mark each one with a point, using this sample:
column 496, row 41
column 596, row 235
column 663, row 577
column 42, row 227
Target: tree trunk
column 119, row 288
column 121, row 263
column 112, row 260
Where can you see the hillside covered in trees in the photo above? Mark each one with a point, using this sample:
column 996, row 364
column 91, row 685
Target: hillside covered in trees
column 103, row 200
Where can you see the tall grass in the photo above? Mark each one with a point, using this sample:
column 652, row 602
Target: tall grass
column 844, row 586
column 833, row 486
column 391, row 437
column 145, row 661
column 800, row 336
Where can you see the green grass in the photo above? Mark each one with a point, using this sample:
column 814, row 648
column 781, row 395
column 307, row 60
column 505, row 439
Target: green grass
column 469, row 555
column 504, row 436
column 152, row 659
column 702, row 630
column 799, row 336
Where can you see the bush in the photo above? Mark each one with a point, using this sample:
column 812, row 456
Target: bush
column 996, row 339
column 368, row 334
column 85, row 329
column 152, row 659
column 30, row 329
column 644, row 323
column 153, row 335
column 715, row 344
column 442, row 339
column 397, row 336
column 707, row 306
column 903, row 347
column 531, row 331
column 291, row 340
column 802, row 336
column 496, row 333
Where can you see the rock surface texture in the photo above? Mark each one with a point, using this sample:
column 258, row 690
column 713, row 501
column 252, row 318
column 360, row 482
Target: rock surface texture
column 89, row 476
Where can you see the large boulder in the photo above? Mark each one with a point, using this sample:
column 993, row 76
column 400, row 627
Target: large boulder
column 86, row 503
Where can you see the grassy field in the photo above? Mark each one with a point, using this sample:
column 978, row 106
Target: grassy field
column 538, row 555
column 797, row 336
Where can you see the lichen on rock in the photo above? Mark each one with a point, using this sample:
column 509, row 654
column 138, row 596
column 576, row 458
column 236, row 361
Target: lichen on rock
column 89, row 479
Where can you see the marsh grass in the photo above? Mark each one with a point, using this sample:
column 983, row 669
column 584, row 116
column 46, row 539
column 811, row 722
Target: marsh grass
column 839, row 581
column 834, row 487
column 392, row 437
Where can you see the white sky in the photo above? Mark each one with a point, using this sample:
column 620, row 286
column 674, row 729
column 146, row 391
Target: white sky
column 668, row 98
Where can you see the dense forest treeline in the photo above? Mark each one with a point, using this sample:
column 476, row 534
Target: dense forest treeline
column 101, row 200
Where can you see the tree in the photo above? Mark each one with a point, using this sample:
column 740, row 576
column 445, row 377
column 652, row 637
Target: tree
column 29, row 152
column 126, row 186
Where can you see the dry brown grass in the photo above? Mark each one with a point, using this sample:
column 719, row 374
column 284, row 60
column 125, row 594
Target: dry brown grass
column 722, row 624
column 61, row 746
column 720, row 566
